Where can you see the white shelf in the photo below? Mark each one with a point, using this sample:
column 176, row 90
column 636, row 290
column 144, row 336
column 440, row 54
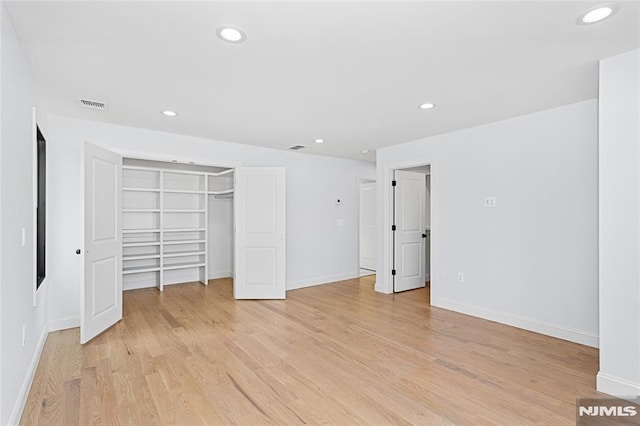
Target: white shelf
column 140, row 270
column 222, row 173
column 182, row 202
column 184, row 172
column 141, row 168
column 141, row 189
column 182, row 191
column 226, row 191
column 182, row 266
column 173, row 243
column 154, row 243
column 185, row 253
column 141, row 257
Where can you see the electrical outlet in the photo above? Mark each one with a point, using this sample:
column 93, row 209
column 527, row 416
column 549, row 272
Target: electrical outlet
column 489, row 201
column 460, row 277
column 24, row 335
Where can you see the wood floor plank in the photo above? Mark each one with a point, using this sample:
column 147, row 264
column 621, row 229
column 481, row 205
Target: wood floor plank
column 332, row 354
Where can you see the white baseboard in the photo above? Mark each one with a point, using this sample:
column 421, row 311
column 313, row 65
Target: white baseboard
column 553, row 330
column 617, row 387
column 64, row 323
column 18, row 408
column 378, row 287
column 294, row 285
column 136, row 285
column 218, row 275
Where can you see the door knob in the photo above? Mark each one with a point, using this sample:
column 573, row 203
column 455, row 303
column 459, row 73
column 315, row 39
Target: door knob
column 78, row 251
column 424, row 235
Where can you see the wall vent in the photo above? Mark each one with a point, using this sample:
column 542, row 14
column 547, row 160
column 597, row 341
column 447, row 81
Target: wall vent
column 101, row 106
column 297, row 147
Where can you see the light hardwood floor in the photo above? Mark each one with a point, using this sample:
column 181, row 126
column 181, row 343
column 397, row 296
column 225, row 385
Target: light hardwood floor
column 336, row 354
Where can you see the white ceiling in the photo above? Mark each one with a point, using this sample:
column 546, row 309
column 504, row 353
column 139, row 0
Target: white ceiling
column 352, row 73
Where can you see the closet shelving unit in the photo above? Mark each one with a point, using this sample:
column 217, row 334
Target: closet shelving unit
column 164, row 219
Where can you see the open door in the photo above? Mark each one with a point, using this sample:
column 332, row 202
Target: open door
column 101, row 300
column 367, row 226
column 409, row 221
column 259, row 194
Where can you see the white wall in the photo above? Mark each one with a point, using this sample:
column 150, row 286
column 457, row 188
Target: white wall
column 620, row 225
column 532, row 260
column 17, row 274
column 2, row 20
column 220, row 237
column 317, row 249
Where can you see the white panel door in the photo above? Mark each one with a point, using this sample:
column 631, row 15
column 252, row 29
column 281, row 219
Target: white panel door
column 367, row 225
column 101, row 300
column 259, row 210
column 409, row 218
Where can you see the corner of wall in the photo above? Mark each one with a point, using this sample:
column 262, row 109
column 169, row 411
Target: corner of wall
column 619, row 228
column 617, row 386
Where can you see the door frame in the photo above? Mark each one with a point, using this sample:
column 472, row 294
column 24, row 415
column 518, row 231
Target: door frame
column 396, row 257
column 384, row 281
column 194, row 161
column 362, row 180
column 139, row 155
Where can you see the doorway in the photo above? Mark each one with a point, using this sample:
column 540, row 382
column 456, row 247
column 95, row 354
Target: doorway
column 143, row 219
column 367, row 225
column 411, row 228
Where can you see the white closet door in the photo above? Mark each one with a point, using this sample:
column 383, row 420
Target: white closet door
column 260, row 233
column 409, row 245
column 368, row 225
column 101, row 299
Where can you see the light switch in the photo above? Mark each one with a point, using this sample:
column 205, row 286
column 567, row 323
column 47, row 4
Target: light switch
column 489, row 201
column 24, row 237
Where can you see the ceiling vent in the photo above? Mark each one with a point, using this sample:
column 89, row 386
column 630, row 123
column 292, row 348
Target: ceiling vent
column 297, row 147
column 100, row 106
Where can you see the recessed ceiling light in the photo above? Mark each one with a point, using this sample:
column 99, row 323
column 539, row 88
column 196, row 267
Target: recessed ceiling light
column 169, row 113
column 364, row 151
column 427, row 105
column 318, row 140
column 597, row 15
column 231, row 34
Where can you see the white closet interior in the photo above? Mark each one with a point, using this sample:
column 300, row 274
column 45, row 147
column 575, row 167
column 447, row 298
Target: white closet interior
column 177, row 223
